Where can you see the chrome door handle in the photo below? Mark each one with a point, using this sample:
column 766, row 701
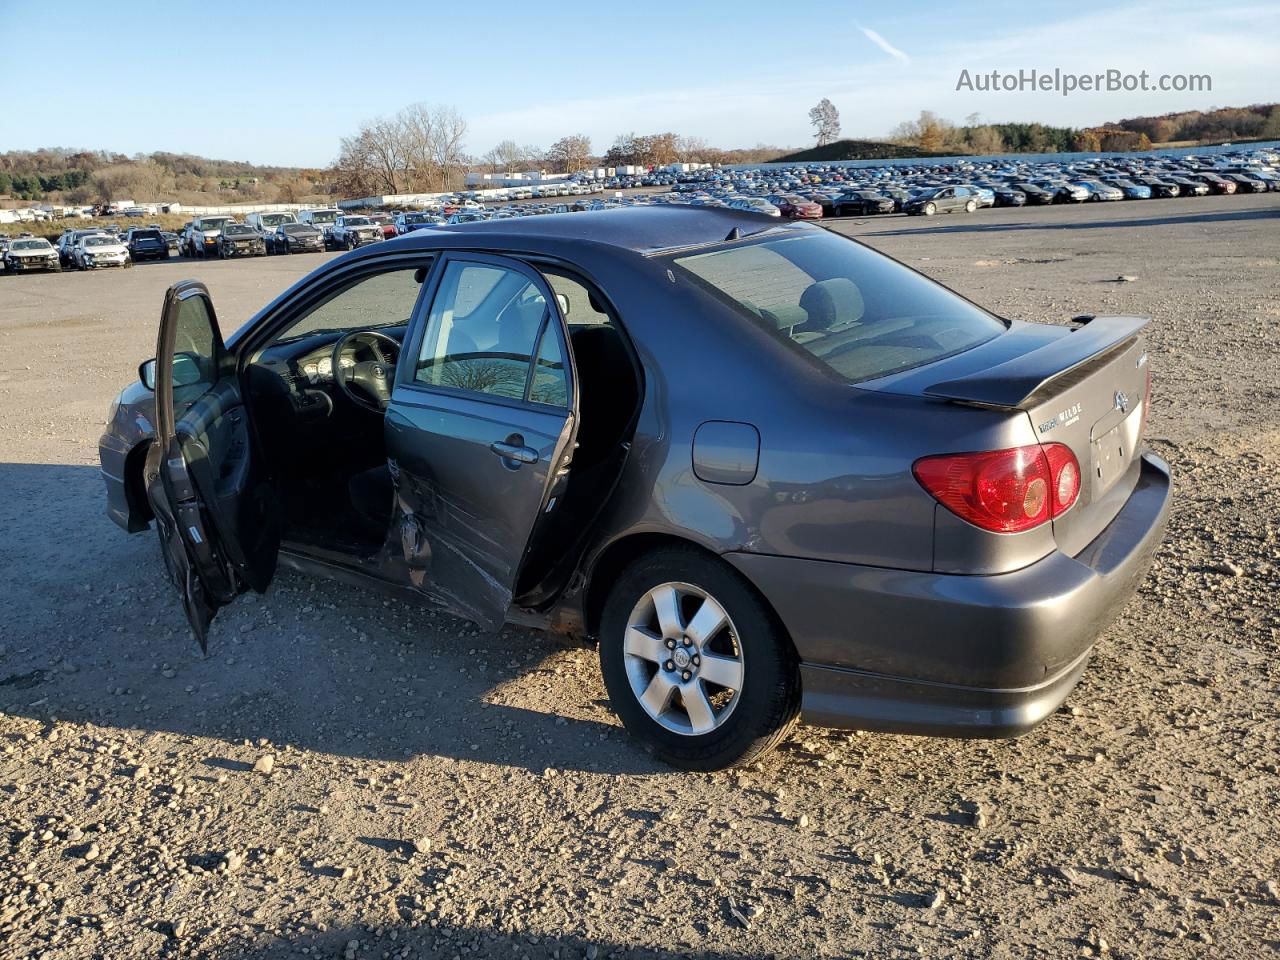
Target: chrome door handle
column 513, row 451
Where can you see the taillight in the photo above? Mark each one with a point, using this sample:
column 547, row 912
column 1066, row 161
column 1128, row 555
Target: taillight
column 1006, row 491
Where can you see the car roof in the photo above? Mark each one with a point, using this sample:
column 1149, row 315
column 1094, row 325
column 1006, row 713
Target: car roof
column 640, row 229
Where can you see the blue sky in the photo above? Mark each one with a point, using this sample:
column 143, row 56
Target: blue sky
column 279, row 82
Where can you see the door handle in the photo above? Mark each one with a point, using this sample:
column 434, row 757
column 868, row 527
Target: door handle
column 514, row 451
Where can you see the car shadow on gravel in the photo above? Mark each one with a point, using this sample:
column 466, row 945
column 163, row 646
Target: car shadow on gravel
column 1190, row 218
column 93, row 632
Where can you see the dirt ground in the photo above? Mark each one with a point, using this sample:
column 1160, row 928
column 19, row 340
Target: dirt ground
column 435, row 792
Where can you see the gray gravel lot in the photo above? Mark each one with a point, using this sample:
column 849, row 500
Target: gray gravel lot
column 434, row 792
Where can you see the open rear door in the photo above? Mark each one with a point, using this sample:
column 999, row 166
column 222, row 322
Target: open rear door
column 214, row 506
column 480, row 433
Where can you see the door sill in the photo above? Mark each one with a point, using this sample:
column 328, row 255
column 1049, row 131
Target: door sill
column 317, row 562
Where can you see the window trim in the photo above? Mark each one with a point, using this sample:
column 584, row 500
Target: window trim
column 412, row 347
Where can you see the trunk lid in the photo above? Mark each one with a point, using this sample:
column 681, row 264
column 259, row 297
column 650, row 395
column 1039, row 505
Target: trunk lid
column 1085, row 387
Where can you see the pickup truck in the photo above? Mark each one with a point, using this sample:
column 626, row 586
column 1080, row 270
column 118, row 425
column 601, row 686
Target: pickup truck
column 201, row 237
column 349, row 232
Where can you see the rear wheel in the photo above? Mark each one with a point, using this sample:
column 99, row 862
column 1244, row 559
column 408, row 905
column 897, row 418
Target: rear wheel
column 971, row 206
column 696, row 664
column 930, row 209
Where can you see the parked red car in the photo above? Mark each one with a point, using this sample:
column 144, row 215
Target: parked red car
column 385, row 222
column 797, row 207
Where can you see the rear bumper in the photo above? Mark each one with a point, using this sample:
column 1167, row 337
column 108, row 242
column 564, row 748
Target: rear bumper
column 964, row 656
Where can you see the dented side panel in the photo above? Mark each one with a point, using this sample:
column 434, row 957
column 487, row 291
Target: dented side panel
column 463, row 512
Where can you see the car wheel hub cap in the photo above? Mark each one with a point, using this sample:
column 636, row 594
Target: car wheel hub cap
column 683, row 659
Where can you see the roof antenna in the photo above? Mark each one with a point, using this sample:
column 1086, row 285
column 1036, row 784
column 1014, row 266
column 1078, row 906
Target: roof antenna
column 734, row 234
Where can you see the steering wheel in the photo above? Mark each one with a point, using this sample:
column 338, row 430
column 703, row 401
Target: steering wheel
column 368, row 383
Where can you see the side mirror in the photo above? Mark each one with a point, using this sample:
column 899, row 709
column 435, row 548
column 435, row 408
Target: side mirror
column 563, row 301
column 186, row 371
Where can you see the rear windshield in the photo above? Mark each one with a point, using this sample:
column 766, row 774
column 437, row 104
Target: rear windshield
column 146, row 234
column 858, row 313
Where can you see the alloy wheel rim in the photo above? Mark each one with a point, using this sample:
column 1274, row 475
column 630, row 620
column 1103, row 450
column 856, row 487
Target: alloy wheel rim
column 683, row 659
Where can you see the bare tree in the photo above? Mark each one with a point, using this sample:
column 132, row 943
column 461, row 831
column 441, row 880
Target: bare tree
column 532, row 157
column 420, row 148
column 986, row 140
column 450, row 159
column 507, row 156
column 826, row 121
column 570, row 154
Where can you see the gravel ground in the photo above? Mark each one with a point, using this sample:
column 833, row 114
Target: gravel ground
column 352, row 776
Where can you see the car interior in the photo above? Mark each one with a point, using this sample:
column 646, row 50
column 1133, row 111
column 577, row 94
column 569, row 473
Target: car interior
column 319, row 388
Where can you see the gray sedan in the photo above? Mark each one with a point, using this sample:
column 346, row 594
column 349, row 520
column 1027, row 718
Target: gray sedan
column 770, row 471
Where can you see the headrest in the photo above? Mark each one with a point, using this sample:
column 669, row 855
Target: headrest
column 831, row 303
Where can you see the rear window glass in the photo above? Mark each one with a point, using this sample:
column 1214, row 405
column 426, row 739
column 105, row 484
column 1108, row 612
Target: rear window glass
column 858, row 313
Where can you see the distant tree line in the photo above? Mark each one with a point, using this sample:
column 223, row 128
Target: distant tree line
column 934, row 134
column 574, row 152
column 90, row 176
column 1261, row 121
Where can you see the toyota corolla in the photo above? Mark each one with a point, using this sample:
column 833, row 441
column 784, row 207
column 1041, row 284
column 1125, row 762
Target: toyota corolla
column 772, row 473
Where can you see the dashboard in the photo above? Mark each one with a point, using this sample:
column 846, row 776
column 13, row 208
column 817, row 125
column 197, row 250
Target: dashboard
column 302, row 369
column 320, row 370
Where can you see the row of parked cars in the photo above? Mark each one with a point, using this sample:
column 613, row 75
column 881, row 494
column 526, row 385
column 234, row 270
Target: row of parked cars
column 820, row 190
column 810, row 191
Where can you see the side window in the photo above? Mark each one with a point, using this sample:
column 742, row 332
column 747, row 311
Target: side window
column 577, row 303
column 195, row 361
column 373, row 300
column 550, row 386
column 483, row 333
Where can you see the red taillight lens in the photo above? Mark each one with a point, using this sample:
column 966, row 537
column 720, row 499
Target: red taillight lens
column 1065, row 471
column 1006, row 491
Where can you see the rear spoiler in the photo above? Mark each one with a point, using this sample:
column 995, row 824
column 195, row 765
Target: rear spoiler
column 1015, row 382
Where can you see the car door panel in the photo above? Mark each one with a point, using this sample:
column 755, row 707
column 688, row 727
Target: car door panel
column 214, row 505
column 472, row 471
column 459, row 505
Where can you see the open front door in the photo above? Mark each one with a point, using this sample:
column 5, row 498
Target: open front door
column 479, row 432
column 215, row 508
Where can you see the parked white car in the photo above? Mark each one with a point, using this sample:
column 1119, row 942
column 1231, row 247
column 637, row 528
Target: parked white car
column 100, row 250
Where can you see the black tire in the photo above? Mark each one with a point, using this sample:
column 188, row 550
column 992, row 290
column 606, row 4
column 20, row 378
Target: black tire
column 971, row 206
column 930, row 209
column 769, row 701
